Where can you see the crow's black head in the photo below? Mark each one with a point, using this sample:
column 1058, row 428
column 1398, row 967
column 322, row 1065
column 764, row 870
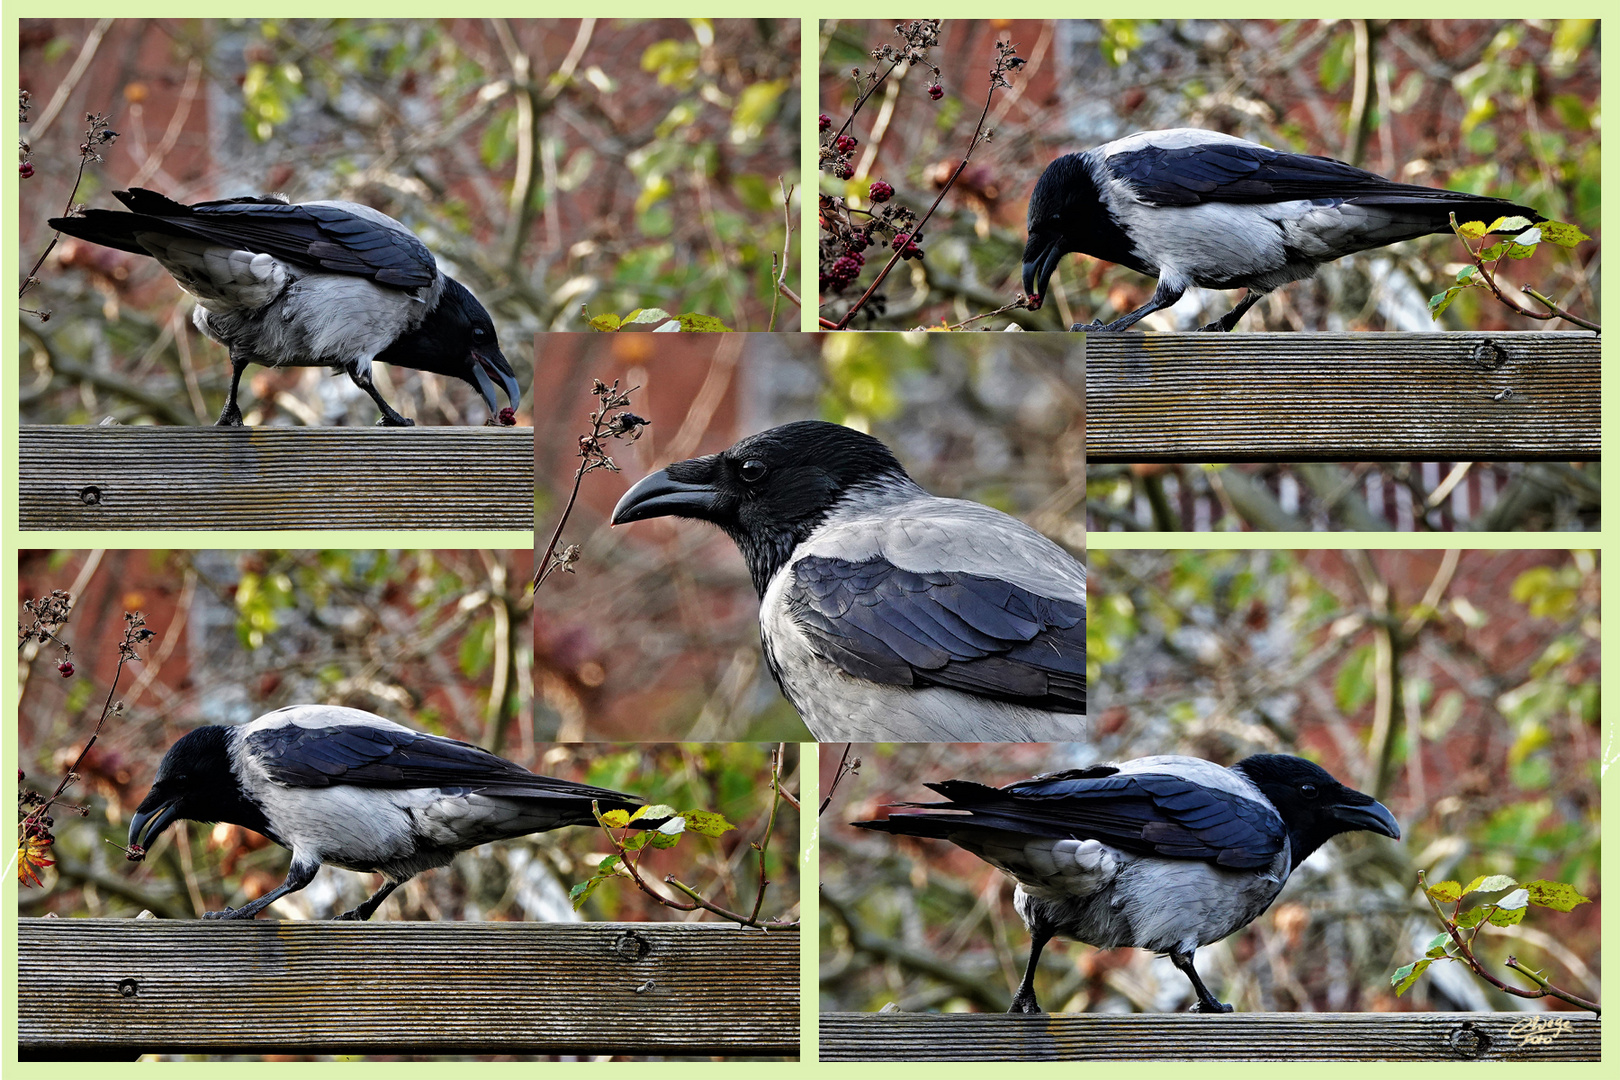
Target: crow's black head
column 770, row 491
column 458, row 339
column 1314, row 806
column 1057, row 208
column 195, row 783
column 1068, row 212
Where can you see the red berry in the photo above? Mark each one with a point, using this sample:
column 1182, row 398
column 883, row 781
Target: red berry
column 845, row 144
column 880, row 191
column 936, row 91
column 900, row 240
column 26, row 169
column 66, row 668
column 508, row 416
column 826, row 121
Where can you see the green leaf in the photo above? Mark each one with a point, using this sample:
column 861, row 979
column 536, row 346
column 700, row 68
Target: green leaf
column 1447, row 892
column 1437, row 947
column 1512, row 224
column 1507, row 916
column 582, row 891
column 605, row 324
column 1554, row 894
column 702, row 324
column 673, row 827
column 1472, row 917
column 1404, row 977
column 662, row 840
column 635, row 841
column 646, row 316
column 1472, row 230
column 705, row 823
column 1467, row 274
column 1562, row 234
column 1441, row 301
column 1494, row 883
column 1495, row 251
column 609, row 864
column 616, row 819
column 658, row 811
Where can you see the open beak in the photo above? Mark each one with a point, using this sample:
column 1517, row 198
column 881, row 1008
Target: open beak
column 160, row 817
column 489, row 369
column 660, row 495
column 1041, row 257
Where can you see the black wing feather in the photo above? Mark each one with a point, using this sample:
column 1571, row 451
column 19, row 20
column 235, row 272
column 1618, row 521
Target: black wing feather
column 363, row 756
column 1235, row 173
column 1158, row 814
column 957, row 630
column 317, row 237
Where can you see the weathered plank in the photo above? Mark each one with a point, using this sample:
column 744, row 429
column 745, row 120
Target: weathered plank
column 1342, row 397
column 100, row 986
column 275, row 478
column 1559, row 1036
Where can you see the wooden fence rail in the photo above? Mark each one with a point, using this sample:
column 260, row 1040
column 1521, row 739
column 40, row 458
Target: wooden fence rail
column 1559, row 1036
column 102, row 988
column 1203, row 398
column 275, row 478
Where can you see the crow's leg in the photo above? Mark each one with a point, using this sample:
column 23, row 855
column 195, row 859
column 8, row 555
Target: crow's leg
column 1230, row 319
column 298, row 875
column 231, row 415
column 369, row 908
column 390, row 418
column 1162, row 297
column 1206, row 1000
column 1024, row 1001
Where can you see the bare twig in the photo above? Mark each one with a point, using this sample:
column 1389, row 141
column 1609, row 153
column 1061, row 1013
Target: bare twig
column 96, row 136
column 593, row 457
column 779, row 275
column 845, row 768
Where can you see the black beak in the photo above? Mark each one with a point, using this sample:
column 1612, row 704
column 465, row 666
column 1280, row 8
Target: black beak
column 1041, row 257
column 660, row 495
column 161, row 816
column 1373, row 817
column 490, row 367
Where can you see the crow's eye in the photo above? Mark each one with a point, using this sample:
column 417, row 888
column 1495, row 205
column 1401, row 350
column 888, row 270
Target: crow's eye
column 480, row 334
column 753, row 469
column 1308, row 790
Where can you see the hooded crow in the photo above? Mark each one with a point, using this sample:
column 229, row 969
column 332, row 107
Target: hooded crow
column 317, row 284
column 1193, row 207
column 349, row 788
column 887, row 613
column 1164, row 853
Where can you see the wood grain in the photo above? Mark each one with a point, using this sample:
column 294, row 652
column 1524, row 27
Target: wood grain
column 1240, row 1036
column 100, row 986
column 275, row 478
column 1202, row 398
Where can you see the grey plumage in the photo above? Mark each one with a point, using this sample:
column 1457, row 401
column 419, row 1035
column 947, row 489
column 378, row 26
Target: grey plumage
column 348, row 788
column 1163, row 853
column 887, row 613
column 317, row 284
column 1193, row 207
